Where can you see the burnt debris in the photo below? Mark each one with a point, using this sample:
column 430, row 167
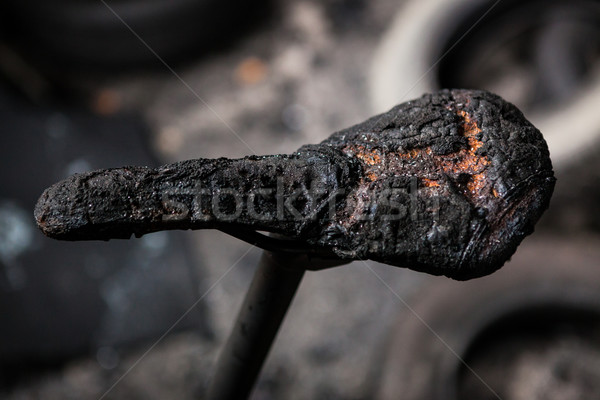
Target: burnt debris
column 448, row 184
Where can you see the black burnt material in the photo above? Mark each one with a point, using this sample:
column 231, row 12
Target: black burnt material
column 448, row 184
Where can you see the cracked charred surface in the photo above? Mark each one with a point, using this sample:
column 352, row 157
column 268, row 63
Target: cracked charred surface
column 447, row 184
column 477, row 174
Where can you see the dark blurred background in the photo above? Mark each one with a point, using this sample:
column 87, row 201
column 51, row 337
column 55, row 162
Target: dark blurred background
column 97, row 84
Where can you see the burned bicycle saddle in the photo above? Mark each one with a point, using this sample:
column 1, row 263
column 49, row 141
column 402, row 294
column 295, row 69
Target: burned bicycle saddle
column 447, row 184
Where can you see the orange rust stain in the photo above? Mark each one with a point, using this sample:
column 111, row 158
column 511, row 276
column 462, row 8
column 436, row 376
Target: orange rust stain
column 468, row 161
column 477, row 183
column 372, row 157
column 430, row 182
column 470, row 130
column 414, row 153
column 372, row 176
column 464, row 161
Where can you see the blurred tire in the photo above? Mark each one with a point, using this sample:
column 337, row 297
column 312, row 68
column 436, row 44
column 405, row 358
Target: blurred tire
column 425, row 352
